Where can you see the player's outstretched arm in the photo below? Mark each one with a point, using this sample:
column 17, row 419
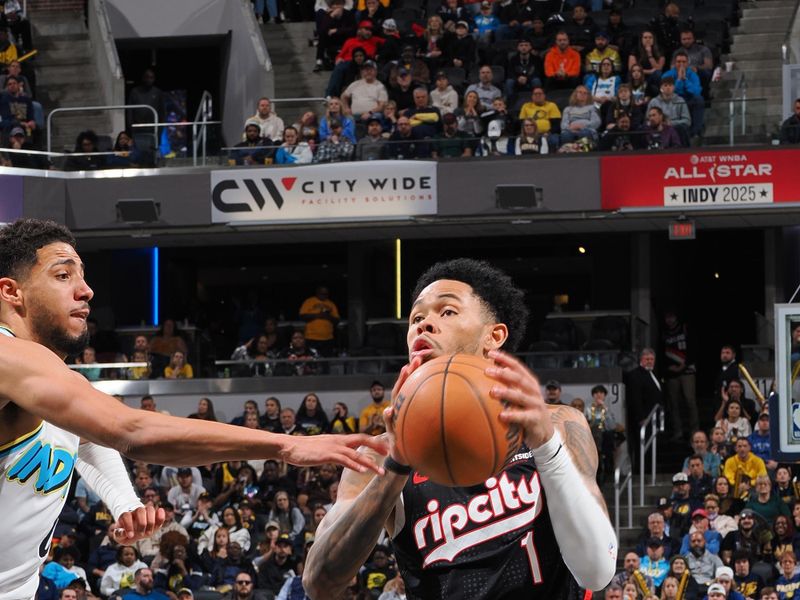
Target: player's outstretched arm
column 37, row 381
column 347, row 534
column 566, row 458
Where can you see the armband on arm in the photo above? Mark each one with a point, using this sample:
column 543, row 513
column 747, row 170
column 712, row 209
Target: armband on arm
column 105, row 473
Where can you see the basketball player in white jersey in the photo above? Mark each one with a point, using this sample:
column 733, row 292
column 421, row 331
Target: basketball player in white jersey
column 52, row 421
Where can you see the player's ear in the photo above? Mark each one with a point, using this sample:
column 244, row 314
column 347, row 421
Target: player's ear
column 497, row 336
column 10, row 291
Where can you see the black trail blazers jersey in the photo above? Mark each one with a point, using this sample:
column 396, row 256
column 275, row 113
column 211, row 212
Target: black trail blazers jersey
column 488, row 542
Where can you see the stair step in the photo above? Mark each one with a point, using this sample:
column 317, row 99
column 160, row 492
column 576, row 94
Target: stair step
column 755, row 38
column 783, row 13
column 64, row 47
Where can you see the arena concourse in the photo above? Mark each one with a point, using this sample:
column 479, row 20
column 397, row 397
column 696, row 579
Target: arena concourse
column 303, row 333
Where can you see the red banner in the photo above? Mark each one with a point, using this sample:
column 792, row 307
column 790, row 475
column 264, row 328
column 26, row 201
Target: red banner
column 700, row 180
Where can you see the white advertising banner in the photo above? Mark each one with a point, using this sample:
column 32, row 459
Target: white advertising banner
column 371, row 190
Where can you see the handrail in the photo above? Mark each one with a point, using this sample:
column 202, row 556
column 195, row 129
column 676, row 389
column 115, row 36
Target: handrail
column 114, row 365
column 738, row 94
column 655, row 420
column 91, row 108
column 618, row 485
column 787, row 38
column 202, row 118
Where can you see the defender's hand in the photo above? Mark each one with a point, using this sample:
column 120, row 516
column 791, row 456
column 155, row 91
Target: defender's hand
column 389, row 413
column 138, row 524
column 341, row 449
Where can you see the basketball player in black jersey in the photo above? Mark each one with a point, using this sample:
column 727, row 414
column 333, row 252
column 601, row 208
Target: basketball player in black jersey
column 538, row 530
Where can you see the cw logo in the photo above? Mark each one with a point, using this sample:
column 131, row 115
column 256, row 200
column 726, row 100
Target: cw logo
column 54, row 467
column 255, row 193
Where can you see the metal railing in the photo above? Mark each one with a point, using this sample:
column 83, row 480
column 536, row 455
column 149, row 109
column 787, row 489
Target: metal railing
column 788, row 55
column 202, row 119
column 619, row 484
column 655, row 421
column 738, row 96
column 94, row 108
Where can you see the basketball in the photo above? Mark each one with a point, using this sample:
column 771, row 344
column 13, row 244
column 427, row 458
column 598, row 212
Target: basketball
column 446, row 423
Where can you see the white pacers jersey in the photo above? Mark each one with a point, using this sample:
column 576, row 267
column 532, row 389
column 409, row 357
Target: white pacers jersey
column 35, row 473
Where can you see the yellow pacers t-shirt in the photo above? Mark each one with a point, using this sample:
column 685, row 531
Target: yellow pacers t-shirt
column 319, row 329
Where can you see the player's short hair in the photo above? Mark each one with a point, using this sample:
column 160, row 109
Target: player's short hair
column 495, row 289
column 20, row 240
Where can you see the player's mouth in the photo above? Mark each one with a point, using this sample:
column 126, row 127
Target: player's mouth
column 80, row 314
column 423, row 348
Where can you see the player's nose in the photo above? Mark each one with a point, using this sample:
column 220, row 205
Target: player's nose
column 84, row 292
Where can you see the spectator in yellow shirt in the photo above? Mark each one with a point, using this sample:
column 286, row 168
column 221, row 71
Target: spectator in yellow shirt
column 178, row 368
column 743, row 465
column 545, row 113
column 371, row 419
column 8, row 51
column 321, row 316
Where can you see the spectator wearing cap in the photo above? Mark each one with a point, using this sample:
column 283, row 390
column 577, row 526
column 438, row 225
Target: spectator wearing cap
column 372, row 146
column 367, row 95
column 656, row 529
column 745, row 582
column 760, row 442
column 653, row 564
column 485, row 89
column 273, row 572
column 426, row 120
column 790, row 128
column 293, row 150
column 370, row 420
column 552, row 392
column 392, row 47
column 335, row 26
column 335, row 111
column 443, row 96
column 254, row 150
column 498, row 127
column 185, row 594
column 406, row 142
column 364, row 39
column 764, row 503
column 16, row 108
column 18, row 140
column 186, row 492
column 702, row 563
column 462, row 47
column 417, row 66
column 716, row 592
column 523, row 71
column 336, row 147
column 788, row 583
column 401, row 92
column 602, row 50
column 452, row 143
column 562, row 64
column 747, row 537
column 724, row 578
column 700, row 523
column 682, row 504
column 485, row 24
column 700, row 482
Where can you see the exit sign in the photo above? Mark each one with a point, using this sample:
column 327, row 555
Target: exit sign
column 681, row 230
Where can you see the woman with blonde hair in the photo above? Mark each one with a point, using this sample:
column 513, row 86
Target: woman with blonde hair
column 469, row 115
column 580, row 119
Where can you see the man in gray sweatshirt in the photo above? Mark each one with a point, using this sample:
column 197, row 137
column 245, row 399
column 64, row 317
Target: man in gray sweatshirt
column 674, row 108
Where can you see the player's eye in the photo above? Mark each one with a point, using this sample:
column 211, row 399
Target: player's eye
column 62, row 276
column 448, row 312
column 416, row 319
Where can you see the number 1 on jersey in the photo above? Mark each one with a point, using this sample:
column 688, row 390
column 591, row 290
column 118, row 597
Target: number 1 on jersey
column 533, row 557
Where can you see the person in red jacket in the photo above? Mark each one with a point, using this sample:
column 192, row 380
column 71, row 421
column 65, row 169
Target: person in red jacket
column 363, row 39
column 562, row 64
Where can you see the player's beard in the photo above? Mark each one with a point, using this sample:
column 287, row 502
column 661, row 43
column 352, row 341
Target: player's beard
column 53, row 337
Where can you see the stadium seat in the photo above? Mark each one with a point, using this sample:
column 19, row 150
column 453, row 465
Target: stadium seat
column 560, row 331
column 543, row 357
column 613, row 329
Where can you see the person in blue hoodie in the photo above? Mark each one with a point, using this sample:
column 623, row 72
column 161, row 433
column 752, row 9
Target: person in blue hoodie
column 688, row 87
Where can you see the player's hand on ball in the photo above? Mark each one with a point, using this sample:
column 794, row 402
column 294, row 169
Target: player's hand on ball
column 389, row 413
column 520, row 388
column 138, row 524
column 305, row 451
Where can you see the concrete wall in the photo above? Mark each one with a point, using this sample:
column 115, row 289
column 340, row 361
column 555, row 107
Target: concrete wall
column 112, row 84
column 248, row 74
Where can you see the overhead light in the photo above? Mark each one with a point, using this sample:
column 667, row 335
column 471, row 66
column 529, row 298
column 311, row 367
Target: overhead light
column 581, row 249
column 716, row 275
